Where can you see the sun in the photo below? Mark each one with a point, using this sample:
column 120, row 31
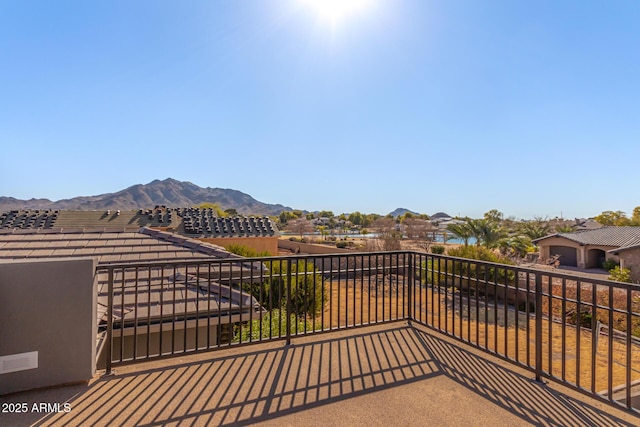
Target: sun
column 337, row 10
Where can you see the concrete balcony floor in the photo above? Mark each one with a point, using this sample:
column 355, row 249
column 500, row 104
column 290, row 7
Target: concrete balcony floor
column 383, row 375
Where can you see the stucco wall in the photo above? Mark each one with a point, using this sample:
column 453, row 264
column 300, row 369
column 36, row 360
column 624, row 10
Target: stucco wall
column 307, row 248
column 581, row 251
column 260, row 244
column 48, row 307
column 631, row 259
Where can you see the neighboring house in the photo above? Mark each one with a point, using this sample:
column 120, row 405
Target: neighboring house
column 440, row 217
column 445, row 224
column 259, row 233
column 629, row 255
column 201, row 309
column 589, row 248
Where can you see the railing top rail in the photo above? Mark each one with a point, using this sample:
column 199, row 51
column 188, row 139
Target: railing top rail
column 310, row 257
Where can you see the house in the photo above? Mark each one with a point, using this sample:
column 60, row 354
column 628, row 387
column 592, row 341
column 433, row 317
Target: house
column 629, row 255
column 589, row 248
column 258, row 233
column 440, row 217
column 202, row 305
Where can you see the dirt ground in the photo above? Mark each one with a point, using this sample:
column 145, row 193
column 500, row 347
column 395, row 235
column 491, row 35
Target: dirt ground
column 587, row 361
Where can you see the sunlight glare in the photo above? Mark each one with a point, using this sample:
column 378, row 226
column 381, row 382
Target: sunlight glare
column 337, row 10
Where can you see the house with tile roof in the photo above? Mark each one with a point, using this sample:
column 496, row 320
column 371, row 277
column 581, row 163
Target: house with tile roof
column 629, row 255
column 258, row 233
column 590, row 248
column 177, row 296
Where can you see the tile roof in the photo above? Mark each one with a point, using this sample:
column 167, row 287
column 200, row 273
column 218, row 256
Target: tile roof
column 145, row 245
column 154, row 297
column 606, row 236
column 631, row 244
column 189, row 221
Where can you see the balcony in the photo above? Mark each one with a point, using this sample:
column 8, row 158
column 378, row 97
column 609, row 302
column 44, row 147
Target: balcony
column 374, row 338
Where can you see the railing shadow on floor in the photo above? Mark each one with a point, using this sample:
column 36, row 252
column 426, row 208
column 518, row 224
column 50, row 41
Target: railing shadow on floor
column 517, row 393
column 245, row 387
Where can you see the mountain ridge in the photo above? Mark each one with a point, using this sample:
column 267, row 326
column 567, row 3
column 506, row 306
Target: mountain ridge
column 167, row 192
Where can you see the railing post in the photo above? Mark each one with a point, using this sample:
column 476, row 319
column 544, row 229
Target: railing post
column 289, row 311
column 411, row 288
column 109, row 335
column 538, row 294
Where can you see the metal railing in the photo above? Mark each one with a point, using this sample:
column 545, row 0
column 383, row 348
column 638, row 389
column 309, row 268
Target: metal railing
column 581, row 332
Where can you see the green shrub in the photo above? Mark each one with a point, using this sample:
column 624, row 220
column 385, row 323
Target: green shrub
column 307, row 288
column 246, row 251
column 437, row 249
column 609, row 264
column 480, row 253
column 585, row 319
column 618, row 274
column 342, row 244
column 272, row 324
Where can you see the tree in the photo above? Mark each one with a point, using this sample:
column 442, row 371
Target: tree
column 461, row 231
column 300, row 226
column 215, row 207
column 535, row 229
column 307, row 288
column 231, row 212
column 515, row 246
column 356, row 218
column 286, row 216
column 635, row 218
column 420, row 231
column 323, row 231
column 564, row 228
column 494, row 215
column 612, row 218
column 486, row 232
column 389, row 236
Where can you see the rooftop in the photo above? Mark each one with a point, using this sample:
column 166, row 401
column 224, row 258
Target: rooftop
column 145, row 245
column 618, row 236
column 381, row 375
column 189, row 221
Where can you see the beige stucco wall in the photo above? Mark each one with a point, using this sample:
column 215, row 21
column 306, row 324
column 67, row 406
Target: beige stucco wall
column 48, row 307
column 307, row 248
column 631, row 259
column 260, row 244
column 581, row 251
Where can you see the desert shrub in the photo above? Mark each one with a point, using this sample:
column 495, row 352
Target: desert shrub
column 618, row 274
column 272, row 324
column 342, row 244
column 480, row 253
column 246, row 251
column 609, row 264
column 307, row 288
column 437, row 249
column 585, row 319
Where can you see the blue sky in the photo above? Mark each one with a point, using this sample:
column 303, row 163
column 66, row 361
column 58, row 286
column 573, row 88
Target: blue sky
column 529, row 107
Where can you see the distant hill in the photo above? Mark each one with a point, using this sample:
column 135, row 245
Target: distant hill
column 169, row 192
column 401, row 211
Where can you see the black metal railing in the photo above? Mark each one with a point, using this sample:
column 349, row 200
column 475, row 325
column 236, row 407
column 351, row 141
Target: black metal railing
column 582, row 332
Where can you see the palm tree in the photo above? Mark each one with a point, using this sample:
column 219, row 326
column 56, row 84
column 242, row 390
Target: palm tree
column 486, row 232
column 462, row 231
column 535, row 229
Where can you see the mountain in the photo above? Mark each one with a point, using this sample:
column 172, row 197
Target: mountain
column 169, row 192
column 401, row 211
